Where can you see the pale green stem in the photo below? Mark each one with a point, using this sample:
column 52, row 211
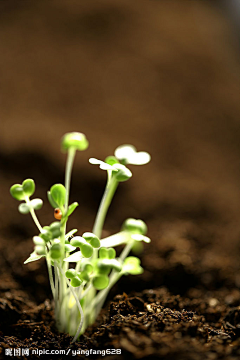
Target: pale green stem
column 35, row 219
column 126, row 250
column 51, row 277
column 97, row 230
column 86, row 291
column 56, row 293
column 78, row 305
column 104, row 205
column 68, row 172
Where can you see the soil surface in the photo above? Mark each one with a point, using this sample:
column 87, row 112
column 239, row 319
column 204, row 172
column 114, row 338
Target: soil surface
column 165, row 77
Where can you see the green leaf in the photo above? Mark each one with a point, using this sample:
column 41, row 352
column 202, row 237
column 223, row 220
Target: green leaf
column 71, row 208
column 88, row 236
column 55, row 229
column 100, row 282
column 75, row 282
column 95, row 243
column 17, row 192
column 86, row 250
column 33, row 257
column 71, row 273
column 83, row 276
column 92, row 238
column 111, row 253
column 109, row 263
column 111, row 160
column 51, row 201
column 132, row 266
column 58, row 193
column 78, row 241
column 103, row 165
column 123, row 173
column 135, row 226
column 46, row 234
column 103, row 253
column 74, row 257
column 38, row 241
column 40, row 249
column 75, row 140
column 88, row 268
column 128, row 154
column 55, row 251
column 69, row 248
column 36, row 204
column 23, row 208
column 28, row 187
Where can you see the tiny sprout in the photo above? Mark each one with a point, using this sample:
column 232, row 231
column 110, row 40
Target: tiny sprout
column 103, row 165
column 135, row 226
column 23, row 191
column 79, row 293
column 121, row 172
column 74, row 140
column 128, row 154
column 92, row 239
column 40, row 250
column 132, row 266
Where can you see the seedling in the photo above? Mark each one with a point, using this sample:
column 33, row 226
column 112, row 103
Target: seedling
column 79, row 293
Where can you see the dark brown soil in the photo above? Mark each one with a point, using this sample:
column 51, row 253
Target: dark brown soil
column 163, row 76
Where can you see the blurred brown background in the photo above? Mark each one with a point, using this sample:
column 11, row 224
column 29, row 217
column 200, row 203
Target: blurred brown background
column 161, row 75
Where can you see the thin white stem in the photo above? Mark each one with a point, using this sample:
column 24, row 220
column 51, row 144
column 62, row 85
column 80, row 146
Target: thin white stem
column 35, row 219
column 126, row 250
column 78, row 305
column 68, row 172
column 116, row 239
column 34, row 216
column 56, row 292
column 51, row 277
column 86, row 291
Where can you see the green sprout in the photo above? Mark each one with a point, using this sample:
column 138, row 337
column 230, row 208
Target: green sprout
column 80, row 292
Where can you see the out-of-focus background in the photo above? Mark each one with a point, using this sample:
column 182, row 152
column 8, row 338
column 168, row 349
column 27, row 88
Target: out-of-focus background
column 161, row 75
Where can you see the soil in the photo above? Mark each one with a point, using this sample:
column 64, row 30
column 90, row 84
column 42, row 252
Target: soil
column 163, row 76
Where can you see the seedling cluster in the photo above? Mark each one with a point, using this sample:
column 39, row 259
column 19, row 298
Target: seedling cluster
column 79, row 293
